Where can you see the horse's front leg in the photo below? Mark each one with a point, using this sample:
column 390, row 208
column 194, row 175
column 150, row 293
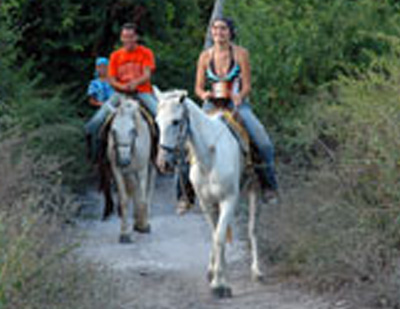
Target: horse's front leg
column 123, row 204
column 141, row 202
column 255, row 267
column 105, row 187
column 211, row 215
column 218, row 285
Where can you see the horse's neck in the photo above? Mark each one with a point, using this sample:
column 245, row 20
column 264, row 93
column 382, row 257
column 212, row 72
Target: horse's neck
column 202, row 134
column 143, row 125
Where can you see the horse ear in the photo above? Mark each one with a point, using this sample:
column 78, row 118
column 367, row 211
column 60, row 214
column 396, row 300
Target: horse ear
column 183, row 95
column 157, row 93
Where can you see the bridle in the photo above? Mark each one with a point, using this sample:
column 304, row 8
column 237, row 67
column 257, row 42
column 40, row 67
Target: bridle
column 133, row 139
column 118, row 145
column 177, row 152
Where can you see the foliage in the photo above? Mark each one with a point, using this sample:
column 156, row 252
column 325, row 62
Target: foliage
column 37, row 267
column 298, row 46
column 325, row 81
column 339, row 221
column 63, row 38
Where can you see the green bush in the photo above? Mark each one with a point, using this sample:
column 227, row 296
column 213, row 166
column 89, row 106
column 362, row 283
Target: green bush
column 296, row 47
column 326, row 83
column 339, row 220
column 63, row 38
column 37, row 266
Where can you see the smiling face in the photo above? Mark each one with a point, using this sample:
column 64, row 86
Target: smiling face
column 129, row 39
column 220, row 32
column 102, row 70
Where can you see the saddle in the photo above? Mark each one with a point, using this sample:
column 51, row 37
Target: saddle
column 153, row 131
column 236, row 126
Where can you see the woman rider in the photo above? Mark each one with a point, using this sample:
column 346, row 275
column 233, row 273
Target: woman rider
column 226, row 67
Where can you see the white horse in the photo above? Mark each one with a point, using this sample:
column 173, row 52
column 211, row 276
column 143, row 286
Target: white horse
column 129, row 151
column 215, row 174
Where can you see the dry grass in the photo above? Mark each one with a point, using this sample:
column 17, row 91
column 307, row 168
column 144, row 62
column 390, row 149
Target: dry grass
column 324, row 234
column 338, row 227
column 37, row 263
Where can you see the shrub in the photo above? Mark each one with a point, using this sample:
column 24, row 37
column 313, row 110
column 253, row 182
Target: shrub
column 339, row 220
column 37, row 266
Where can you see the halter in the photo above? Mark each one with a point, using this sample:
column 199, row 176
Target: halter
column 130, row 145
column 184, row 131
column 116, row 144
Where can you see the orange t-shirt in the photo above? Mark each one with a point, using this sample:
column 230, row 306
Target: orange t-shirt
column 129, row 65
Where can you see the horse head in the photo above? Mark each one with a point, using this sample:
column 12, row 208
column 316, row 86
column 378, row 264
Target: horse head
column 124, row 131
column 173, row 123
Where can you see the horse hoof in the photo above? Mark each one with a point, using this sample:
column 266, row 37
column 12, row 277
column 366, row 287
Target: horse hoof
column 143, row 230
column 124, row 239
column 210, row 275
column 183, row 207
column 105, row 217
column 258, row 277
column 222, row 292
column 256, row 274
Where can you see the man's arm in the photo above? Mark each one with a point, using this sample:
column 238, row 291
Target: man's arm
column 145, row 77
column 148, row 67
column 132, row 85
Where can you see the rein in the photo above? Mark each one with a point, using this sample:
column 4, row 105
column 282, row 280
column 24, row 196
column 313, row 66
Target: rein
column 125, row 145
column 184, row 131
column 178, row 152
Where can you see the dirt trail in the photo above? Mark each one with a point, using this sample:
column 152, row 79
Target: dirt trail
column 167, row 268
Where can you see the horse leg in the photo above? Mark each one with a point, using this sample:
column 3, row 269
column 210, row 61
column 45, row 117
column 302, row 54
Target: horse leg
column 212, row 218
column 141, row 224
column 123, row 204
column 256, row 273
column 150, row 183
column 140, row 212
column 105, row 187
column 218, row 284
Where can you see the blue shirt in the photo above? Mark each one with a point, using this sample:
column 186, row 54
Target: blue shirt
column 100, row 90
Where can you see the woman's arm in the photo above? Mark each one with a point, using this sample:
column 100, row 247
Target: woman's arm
column 244, row 63
column 200, row 90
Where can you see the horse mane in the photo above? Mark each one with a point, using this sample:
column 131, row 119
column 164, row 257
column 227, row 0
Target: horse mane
column 137, row 112
column 169, row 95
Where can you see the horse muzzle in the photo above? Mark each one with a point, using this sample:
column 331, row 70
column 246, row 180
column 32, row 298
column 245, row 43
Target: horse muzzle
column 124, row 156
column 166, row 161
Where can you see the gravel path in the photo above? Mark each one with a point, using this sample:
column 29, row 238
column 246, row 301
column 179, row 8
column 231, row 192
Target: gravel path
column 167, row 268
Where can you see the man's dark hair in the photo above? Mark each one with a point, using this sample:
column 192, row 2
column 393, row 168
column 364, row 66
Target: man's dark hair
column 129, row 26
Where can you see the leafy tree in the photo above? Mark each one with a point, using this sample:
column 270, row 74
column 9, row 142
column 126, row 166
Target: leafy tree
column 298, row 46
column 63, row 38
